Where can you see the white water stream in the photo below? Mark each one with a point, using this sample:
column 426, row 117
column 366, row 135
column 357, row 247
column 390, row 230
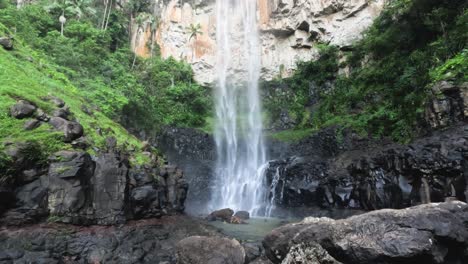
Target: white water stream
column 241, row 161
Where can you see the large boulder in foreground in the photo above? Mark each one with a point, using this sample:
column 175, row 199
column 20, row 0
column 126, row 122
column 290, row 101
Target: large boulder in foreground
column 209, row 250
column 429, row 233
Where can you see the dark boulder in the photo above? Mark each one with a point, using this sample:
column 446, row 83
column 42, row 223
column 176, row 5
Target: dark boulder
column 71, row 130
column 212, row 250
column 32, row 124
column 430, row 233
column 22, row 109
column 244, row 215
column 221, row 215
column 61, row 112
column 6, row 43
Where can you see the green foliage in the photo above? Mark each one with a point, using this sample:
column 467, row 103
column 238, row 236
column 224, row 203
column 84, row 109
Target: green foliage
column 293, row 93
column 166, row 95
column 455, row 68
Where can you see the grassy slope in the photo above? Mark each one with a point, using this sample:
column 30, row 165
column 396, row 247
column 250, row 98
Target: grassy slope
column 27, row 75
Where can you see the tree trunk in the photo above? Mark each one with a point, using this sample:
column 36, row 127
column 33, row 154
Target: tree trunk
column 108, row 15
column 106, row 3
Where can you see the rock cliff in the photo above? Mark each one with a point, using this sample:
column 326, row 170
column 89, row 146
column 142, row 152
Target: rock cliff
column 289, row 31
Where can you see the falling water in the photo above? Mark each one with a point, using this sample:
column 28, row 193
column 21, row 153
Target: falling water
column 238, row 133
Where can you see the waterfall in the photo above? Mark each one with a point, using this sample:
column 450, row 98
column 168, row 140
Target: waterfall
column 238, row 133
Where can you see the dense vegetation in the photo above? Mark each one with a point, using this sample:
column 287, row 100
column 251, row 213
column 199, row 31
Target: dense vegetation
column 147, row 93
column 91, row 67
column 413, row 44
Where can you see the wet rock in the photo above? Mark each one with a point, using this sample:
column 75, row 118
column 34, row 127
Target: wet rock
column 22, row 109
column 434, row 233
column 244, row 215
column 32, row 124
column 71, row 130
column 222, row 215
column 6, row 43
column 214, row 250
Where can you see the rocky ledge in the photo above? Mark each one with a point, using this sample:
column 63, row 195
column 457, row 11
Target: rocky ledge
column 143, row 241
column 374, row 175
column 430, row 233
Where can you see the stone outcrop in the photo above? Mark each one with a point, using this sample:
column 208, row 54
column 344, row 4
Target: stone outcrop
column 79, row 190
column 363, row 174
column 289, row 31
column 214, row 250
column 431, row 233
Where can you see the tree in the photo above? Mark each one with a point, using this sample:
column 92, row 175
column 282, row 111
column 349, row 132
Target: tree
column 76, row 8
column 154, row 26
column 194, row 31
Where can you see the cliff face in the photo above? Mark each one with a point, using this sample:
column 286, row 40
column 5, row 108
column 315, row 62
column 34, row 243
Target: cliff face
column 289, row 31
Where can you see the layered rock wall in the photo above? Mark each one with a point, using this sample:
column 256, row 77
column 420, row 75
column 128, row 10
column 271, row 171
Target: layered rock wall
column 290, row 31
